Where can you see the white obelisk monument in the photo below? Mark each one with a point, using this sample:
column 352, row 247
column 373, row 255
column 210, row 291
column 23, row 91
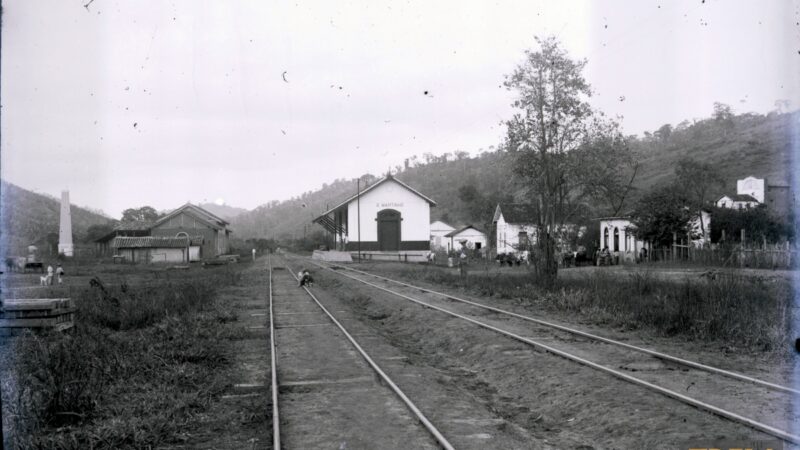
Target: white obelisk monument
column 65, row 227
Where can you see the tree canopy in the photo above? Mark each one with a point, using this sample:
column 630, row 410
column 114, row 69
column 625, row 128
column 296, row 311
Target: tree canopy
column 143, row 214
column 565, row 152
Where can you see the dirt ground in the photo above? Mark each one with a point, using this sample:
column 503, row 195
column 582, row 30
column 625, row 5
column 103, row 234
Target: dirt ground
column 482, row 390
column 548, row 397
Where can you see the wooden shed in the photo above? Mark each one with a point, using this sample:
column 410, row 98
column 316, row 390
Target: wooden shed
column 190, row 221
column 151, row 249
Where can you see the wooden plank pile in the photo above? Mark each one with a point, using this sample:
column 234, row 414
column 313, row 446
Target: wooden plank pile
column 38, row 313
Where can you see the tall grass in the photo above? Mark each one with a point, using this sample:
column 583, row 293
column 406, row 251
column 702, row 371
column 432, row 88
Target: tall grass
column 735, row 310
column 140, row 364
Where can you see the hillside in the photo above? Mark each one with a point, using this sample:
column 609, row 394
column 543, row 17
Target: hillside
column 30, row 218
column 226, row 212
column 738, row 146
column 467, row 189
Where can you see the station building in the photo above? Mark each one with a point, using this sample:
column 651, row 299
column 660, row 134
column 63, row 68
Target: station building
column 386, row 220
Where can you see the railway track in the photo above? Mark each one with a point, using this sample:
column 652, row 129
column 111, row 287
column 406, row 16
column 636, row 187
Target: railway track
column 666, row 374
column 319, row 370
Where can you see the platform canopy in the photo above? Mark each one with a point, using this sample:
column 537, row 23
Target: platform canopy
column 329, row 224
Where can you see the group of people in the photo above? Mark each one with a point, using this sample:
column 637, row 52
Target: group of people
column 48, row 280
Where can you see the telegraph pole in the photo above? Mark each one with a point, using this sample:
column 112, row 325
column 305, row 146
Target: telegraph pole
column 358, row 206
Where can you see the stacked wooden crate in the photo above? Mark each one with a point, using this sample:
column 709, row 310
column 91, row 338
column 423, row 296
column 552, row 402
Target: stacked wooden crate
column 38, row 313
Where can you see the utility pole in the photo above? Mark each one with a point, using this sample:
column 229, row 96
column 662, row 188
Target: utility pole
column 358, row 206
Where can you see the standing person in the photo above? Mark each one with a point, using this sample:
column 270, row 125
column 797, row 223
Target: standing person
column 49, row 275
column 60, row 273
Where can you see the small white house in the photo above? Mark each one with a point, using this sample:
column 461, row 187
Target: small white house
column 439, row 230
column 385, row 219
column 514, row 225
column 738, row 201
column 472, row 237
column 616, row 234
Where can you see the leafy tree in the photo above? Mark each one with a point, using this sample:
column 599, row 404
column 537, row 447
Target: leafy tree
column 723, row 115
column 99, row 230
column 660, row 213
column 143, row 214
column 553, row 137
column 756, row 222
column 664, row 132
column 698, row 181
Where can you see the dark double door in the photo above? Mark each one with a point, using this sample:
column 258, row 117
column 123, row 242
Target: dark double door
column 389, row 230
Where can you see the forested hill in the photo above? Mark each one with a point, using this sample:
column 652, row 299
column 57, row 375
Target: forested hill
column 31, row 218
column 468, row 189
column 737, row 145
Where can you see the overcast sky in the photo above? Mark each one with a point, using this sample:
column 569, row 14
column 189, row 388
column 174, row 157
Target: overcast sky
column 131, row 103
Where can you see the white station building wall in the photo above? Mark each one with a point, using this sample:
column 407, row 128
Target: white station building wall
column 414, row 210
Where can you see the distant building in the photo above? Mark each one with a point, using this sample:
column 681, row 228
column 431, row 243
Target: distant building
column 780, row 200
column 473, row 237
column 150, row 249
column 394, row 219
column 617, row 235
column 751, row 192
column 752, row 186
column 439, row 230
column 103, row 246
column 737, row 201
column 514, row 226
column 191, row 221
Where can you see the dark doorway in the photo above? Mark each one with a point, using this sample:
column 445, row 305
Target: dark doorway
column 389, row 230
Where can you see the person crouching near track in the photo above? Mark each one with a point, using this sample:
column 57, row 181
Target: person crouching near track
column 305, row 278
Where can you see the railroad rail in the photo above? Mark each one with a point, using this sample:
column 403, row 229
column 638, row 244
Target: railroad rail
column 428, row 425
column 782, row 434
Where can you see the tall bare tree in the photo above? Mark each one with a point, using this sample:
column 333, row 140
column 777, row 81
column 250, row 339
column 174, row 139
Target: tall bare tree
column 558, row 142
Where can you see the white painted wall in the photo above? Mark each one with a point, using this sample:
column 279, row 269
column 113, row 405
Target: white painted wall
column 415, row 212
column 508, row 235
column 751, row 186
column 727, row 202
column 629, row 246
column 438, row 230
column 472, row 236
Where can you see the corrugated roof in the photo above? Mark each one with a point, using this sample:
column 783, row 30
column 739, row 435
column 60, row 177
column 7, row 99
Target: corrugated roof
column 150, row 242
column 517, row 213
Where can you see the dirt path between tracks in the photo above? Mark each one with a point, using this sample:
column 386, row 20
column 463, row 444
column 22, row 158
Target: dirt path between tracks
column 556, row 402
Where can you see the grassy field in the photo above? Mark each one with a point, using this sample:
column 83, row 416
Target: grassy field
column 736, row 309
column 148, row 354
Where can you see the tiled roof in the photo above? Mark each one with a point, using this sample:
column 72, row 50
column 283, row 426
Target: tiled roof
column 517, row 212
column 150, row 242
column 740, row 198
